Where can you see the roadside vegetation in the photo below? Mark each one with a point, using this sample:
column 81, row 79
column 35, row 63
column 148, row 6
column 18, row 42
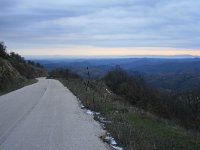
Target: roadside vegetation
column 182, row 108
column 16, row 72
column 140, row 117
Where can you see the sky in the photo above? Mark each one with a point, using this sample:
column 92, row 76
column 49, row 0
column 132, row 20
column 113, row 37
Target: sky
column 101, row 27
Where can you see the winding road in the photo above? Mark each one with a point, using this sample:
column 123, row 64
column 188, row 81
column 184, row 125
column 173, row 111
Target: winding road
column 46, row 116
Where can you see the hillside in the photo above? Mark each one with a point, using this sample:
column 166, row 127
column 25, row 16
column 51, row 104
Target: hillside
column 16, row 72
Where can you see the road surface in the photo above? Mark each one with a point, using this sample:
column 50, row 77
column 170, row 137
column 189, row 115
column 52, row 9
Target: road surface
column 46, row 116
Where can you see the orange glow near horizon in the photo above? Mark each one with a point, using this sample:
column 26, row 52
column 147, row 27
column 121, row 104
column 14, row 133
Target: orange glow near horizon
column 95, row 51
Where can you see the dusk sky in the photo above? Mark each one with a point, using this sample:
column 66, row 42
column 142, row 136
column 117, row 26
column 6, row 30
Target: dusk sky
column 101, row 27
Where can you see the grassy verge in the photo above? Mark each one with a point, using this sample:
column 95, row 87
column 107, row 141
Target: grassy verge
column 13, row 87
column 132, row 127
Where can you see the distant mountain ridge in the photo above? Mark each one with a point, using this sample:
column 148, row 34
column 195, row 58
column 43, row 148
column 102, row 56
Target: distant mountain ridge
column 56, row 57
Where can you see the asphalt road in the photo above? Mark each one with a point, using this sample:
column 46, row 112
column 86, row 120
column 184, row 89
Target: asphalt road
column 46, row 116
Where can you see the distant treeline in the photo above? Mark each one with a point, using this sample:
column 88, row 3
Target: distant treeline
column 181, row 107
column 63, row 73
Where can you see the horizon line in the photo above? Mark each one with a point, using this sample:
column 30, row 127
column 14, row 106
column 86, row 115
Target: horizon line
column 111, row 56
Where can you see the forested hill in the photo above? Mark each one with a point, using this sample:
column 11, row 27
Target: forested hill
column 15, row 71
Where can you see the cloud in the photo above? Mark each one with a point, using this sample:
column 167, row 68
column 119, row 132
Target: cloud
column 105, row 23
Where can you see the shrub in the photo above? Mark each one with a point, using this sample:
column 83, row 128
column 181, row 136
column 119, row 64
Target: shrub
column 3, row 51
column 63, row 73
